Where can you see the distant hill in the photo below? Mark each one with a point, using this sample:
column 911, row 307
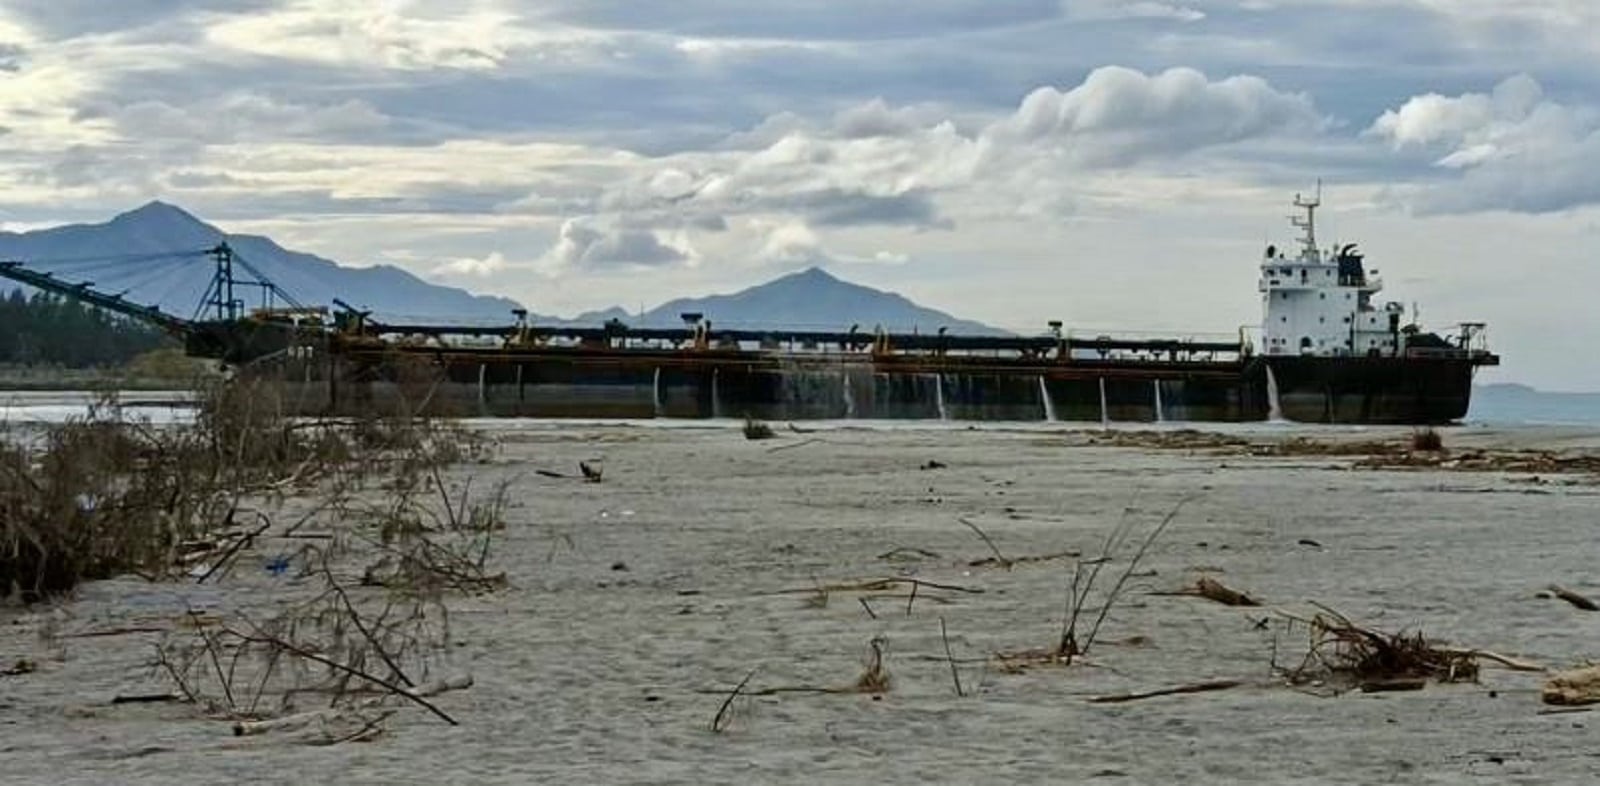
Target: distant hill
column 811, row 299
column 141, row 254
column 133, row 253
column 1520, row 404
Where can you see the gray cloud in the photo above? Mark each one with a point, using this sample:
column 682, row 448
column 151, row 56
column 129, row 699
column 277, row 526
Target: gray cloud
column 11, row 56
column 583, row 244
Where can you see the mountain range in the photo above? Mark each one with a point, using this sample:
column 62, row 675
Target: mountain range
column 150, row 256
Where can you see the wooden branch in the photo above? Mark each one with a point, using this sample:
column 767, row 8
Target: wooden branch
column 1573, row 598
column 1198, row 687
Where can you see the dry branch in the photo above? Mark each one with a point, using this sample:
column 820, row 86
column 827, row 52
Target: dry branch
column 1573, row 598
column 1211, row 589
column 1198, row 687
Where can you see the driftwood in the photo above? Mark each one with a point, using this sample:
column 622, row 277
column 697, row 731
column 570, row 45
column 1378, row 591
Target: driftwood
column 1211, row 589
column 1573, row 688
column 1198, row 687
column 1573, row 598
column 880, row 585
column 145, row 698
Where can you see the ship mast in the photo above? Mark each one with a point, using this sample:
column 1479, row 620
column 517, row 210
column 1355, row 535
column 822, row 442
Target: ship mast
column 1308, row 241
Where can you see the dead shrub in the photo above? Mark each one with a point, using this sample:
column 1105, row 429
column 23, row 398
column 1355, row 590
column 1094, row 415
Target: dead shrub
column 106, row 494
column 1341, row 656
column 1084, row 614
column 1427, row 440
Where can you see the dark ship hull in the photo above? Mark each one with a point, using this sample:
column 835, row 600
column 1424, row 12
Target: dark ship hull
column 586, row 382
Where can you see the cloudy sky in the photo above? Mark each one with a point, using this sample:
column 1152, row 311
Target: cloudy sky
column 1118, row 164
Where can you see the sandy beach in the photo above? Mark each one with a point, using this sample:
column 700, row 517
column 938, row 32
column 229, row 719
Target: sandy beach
column 636, row 604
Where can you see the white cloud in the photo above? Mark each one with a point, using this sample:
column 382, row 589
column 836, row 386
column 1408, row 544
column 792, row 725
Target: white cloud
column 1118, row 115
column 493, row 263
column 1513, row 149
column 403, row 35
column 586, row 244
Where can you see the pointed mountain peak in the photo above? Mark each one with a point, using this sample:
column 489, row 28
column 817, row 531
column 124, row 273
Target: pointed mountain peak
column 156, row 209
column 813, row 273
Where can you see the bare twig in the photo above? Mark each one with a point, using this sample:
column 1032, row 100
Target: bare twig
column 987, row 541
column 719, row 722
column 1198, row 687
column 955, row 676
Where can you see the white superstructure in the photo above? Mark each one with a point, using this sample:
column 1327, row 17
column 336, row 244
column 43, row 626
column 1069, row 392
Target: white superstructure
column 1321, row 302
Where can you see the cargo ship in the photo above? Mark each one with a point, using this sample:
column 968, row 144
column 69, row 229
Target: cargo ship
column 1329, row 352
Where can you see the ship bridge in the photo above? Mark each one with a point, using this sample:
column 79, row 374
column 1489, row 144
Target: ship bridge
column 1321, row 302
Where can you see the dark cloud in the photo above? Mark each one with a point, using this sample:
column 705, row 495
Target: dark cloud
column 838, row 208
column 864, row 20
column 11, row 57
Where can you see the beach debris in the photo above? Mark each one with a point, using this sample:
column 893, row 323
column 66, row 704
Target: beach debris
column 145, row 698
column 907, row 554
column 755, row 429
column 999, row 559
column 802, row 443
column 1211, row 589
column 875, row 678
column 1574, row 598
column 724, row 716
column 1574, row 687
column 874, row 681
column 1342, row 655
column 1197, row 687
column 1427, row 440
column 1075, row 641
column 592, row 471
column 1309, row 542
column 1413, row 452
column 955, row 674
column 881, row 585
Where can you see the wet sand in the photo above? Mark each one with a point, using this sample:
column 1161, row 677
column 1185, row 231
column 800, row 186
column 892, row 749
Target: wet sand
column 636, row 600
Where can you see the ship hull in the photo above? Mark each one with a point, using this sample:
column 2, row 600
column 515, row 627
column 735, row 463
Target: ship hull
column 1378, row 390
column 634, row 384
